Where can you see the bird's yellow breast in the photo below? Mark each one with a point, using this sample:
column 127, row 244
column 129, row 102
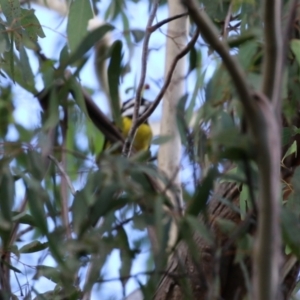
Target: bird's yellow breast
column 143, row 135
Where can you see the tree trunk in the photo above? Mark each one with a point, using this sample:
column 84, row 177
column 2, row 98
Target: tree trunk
column 202, row 278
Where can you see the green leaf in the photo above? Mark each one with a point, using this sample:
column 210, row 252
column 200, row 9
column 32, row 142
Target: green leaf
column 217, row 10
column 194, row 58
column 244, row 200
column 80, row 209
column 126, row 29
column 50, row 273
column 23, row 218
column 12, row 66
column 7, row 193
column 202, row 193
column 200, row 227
column 226, row 226
column 11, row 57
column 247, row 53
column 77, row 94
column 87, row 43
column 291, row 150
column 235, row 174
column 114, row 73
column 244, row 246
column 295, row 46
column 180, row 119
column 37, row 196
column 6, row 109
column 64, row 55
column 290, row 230
column 34, row 246
column 137, row 34
column 238, row 40
column 125, row 256
column 95, row 137
column 11, row 10
column 79, row 14
column 295, row 180
column 286, row 135
column 36, row 165
column 31, row 25
column 51, row 118
column 106, row 201
column 4, row 39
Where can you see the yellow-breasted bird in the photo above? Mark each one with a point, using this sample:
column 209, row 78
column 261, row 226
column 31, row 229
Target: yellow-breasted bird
column 143, row 135
column 107, row 127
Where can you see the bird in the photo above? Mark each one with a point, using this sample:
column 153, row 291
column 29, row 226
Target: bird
column 144, row 133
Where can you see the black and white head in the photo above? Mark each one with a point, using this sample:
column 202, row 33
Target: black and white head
column 128, row 107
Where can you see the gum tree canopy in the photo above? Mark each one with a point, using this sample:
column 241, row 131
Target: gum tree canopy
column 211, row 211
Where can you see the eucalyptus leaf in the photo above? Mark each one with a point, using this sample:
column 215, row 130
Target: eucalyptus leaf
column 80, row 13
column 114, row 74
column 87, row 43
column 34, row 246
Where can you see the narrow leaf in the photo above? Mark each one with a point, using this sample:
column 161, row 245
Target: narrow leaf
column 34, row 246
column 114, row 73
column 79, row 14
column 37, row 196
column 202, row 193
column 295, row 46
column 87, row 43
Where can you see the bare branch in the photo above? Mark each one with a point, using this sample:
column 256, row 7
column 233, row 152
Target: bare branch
column 128, row 143
column 160, row 95
column 163, row 22
column 268, row 247
column 226, row 21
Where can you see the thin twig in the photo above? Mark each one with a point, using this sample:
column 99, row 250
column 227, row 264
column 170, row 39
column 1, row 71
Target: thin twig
column 160, row 95
column 163, row 22
column 226, row 21
column 63, row 173
column 128, row 143
column 24, row 231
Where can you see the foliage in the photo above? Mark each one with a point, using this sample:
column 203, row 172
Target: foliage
column 118, row 197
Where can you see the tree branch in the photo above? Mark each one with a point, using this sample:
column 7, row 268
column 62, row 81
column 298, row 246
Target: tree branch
column 168, row 79
column 265, row 129
column 165, row 21
column 273, row 54
column 128, row 142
